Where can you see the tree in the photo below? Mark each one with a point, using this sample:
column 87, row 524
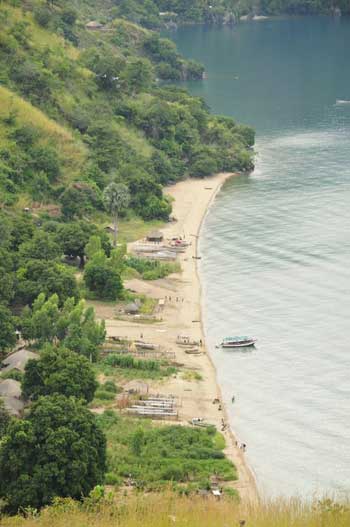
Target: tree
column 59, row 371
column 41, row 247
column 116, row 197
column 41, row 323
column 93, row 247
column 57, row 450
column 5, row 419
column 80, row 198
column 106, row 65
column 7, row 286
column 73, row 325
column 7, row 330
column 138, row 75
column 103, row 280
column 81, row 332
column 74, row 238
column 22, row 230
column 39, row 276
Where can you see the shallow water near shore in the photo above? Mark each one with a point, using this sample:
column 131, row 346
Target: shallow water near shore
column 275, row 246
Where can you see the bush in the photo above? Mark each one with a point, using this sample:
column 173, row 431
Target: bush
column 42, row 15
column 151, row 269
column 110, row 386
column 104, row 395
column 126, row 361
column 112, row 479
column 103, row 280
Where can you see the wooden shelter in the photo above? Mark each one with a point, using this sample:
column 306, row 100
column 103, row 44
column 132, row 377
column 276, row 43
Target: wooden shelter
column 136, row 387
column 155, row 236
column 17, row 360
column 94, row 25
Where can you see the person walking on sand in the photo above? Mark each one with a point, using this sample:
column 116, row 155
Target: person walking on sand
column 233, row 399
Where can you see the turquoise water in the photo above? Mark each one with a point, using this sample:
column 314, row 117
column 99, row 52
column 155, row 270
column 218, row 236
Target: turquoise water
column 276, row 246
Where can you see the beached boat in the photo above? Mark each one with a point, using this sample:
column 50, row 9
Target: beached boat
column 193, row 351
column 146, row 345
column 237, row 342
column 186, row 341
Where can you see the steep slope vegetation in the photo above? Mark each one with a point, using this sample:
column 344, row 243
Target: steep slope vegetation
column 81, row 108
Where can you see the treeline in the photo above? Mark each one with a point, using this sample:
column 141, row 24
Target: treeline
column 293, row 7
column 155, row 13
column 158, row 13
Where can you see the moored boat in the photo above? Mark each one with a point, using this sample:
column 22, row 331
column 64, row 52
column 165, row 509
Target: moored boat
column 237, row 342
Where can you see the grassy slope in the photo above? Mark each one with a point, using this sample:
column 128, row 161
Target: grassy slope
column 165, row 511
column 72, row 151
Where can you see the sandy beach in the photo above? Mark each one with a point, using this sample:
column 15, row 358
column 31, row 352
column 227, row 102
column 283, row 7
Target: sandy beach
column 181, row 315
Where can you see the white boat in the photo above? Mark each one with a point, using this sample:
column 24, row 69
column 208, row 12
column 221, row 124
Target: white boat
column 342, row 101
column 237, row 342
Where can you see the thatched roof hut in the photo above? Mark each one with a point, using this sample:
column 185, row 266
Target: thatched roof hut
column 17, row 360
column 94, row 25
column 10, row 388
column 132, row 308
column 155, row 236
column 10, row 392
column 139, row 387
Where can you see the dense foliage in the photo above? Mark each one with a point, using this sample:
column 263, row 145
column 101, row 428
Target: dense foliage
column 57, row 450
column 71, row 325
column 154, row 456
column 151, row 269
column 59, row 371
column 102, row 275
column 87, row 116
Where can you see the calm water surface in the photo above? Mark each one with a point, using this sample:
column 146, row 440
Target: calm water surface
column 276, row 246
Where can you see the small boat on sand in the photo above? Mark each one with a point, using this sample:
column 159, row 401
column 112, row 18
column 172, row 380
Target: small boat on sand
column 193, row 351
column 237, row 342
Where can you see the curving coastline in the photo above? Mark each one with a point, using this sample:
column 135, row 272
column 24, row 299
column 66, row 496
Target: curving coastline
column 182, row 314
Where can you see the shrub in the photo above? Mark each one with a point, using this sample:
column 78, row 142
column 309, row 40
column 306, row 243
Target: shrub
column 126, row 361
column 103, row 280
column 151, row 269
column 42, row 15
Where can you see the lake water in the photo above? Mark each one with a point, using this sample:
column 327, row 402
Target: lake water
column 276, row 246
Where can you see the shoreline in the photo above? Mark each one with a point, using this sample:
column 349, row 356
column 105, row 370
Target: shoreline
column 244, row 471
column 183, row 314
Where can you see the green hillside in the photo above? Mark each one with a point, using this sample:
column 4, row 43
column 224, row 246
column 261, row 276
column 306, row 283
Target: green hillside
column 84, row 106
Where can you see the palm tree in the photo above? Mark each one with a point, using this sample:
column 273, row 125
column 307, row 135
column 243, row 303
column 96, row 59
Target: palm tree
column 115, row 198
